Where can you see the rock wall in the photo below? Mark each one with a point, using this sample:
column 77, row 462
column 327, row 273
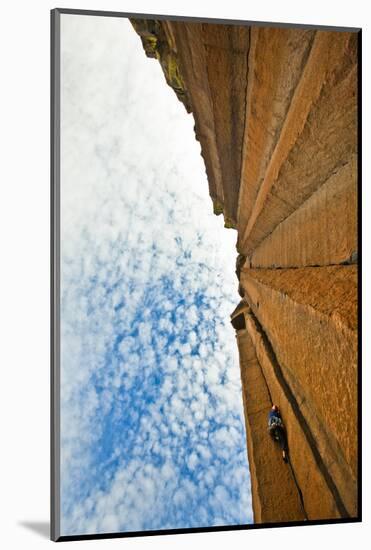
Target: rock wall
column 275, row 112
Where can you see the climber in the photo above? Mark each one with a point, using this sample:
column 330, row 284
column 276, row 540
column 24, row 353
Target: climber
column 277, row 430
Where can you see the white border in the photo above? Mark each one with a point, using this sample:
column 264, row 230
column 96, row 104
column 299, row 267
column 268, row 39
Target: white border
column 24, row 219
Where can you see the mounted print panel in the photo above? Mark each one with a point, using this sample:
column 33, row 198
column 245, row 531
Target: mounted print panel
column 205, row 283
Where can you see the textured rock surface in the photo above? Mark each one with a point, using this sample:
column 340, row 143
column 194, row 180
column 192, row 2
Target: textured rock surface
column 276, row 115
column 326, row 223
column 212, row 62
column 158, row 42
column 313, row 129
column 310, row 319
column 320, row 496
column 269, row 93
column 264, row 456
column 193, row 56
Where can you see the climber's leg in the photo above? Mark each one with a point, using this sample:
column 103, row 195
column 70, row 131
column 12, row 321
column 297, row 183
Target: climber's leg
column 281, row 436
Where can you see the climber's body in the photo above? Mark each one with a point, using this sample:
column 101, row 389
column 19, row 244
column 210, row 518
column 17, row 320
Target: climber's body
column 277, row 430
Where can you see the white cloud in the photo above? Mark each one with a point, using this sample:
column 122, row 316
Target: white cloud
column 148, row 429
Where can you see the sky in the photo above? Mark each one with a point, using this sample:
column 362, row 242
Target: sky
column 152, row 428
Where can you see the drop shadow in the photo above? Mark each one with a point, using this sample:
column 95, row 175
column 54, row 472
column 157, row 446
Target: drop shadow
column 42, row 528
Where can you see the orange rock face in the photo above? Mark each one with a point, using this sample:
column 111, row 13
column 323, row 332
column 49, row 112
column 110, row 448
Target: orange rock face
column 261, row 450
column 323, row 240
column 276, row 115
column 309, row 318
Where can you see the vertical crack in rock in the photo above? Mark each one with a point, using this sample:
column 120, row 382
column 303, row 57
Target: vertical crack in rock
column 281, row 164
column 275, row 493
column 298, row 414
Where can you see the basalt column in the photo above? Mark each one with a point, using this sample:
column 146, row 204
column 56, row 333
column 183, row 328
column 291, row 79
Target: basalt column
column 275, row 113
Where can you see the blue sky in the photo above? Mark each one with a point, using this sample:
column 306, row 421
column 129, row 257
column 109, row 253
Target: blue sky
column 152, row 430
